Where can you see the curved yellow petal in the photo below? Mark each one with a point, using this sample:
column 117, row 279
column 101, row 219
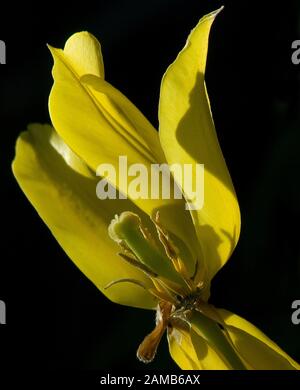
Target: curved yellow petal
column 100, row 124
column 256, row 349
column 192, row 352
column 188, row 136
column 62, row 190
column 84, row 51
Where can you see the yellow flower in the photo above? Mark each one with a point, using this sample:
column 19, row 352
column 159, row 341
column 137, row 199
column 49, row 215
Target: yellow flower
column 169, row 255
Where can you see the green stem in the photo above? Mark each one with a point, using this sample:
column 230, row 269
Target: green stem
column 213, row 334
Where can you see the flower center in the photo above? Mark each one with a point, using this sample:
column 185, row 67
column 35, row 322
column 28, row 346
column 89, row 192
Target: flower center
column 159, row 259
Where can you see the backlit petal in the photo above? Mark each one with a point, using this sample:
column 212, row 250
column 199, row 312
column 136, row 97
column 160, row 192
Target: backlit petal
column 62, row 190
column 84, row 52
column 188, row 136
column 192, row 352
column 100, row 124
column 256, row 349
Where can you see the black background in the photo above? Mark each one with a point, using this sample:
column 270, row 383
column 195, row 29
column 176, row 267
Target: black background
column 55, row 317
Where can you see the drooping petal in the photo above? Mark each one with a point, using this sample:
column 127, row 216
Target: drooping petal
column 256, row 349
column 62, row 190
column 188, row 136
column 100, row 124
column 192, row 352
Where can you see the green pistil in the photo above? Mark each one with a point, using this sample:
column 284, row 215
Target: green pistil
column 126, row 228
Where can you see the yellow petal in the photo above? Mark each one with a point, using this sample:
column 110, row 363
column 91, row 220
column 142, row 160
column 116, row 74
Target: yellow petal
column 100, row 124
column 188, row 136
column 256, row 349
column 84, row 52
column 192, row 352
column 62, row 190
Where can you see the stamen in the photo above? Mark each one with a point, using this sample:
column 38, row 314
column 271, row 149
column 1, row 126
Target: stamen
column 147, row 349
column 138, row 265
column 147, row 235
column 174, row 287
column 162, row 296
column 162, row 291
column 171, row 250
column 196, row 269
column 125, row 280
